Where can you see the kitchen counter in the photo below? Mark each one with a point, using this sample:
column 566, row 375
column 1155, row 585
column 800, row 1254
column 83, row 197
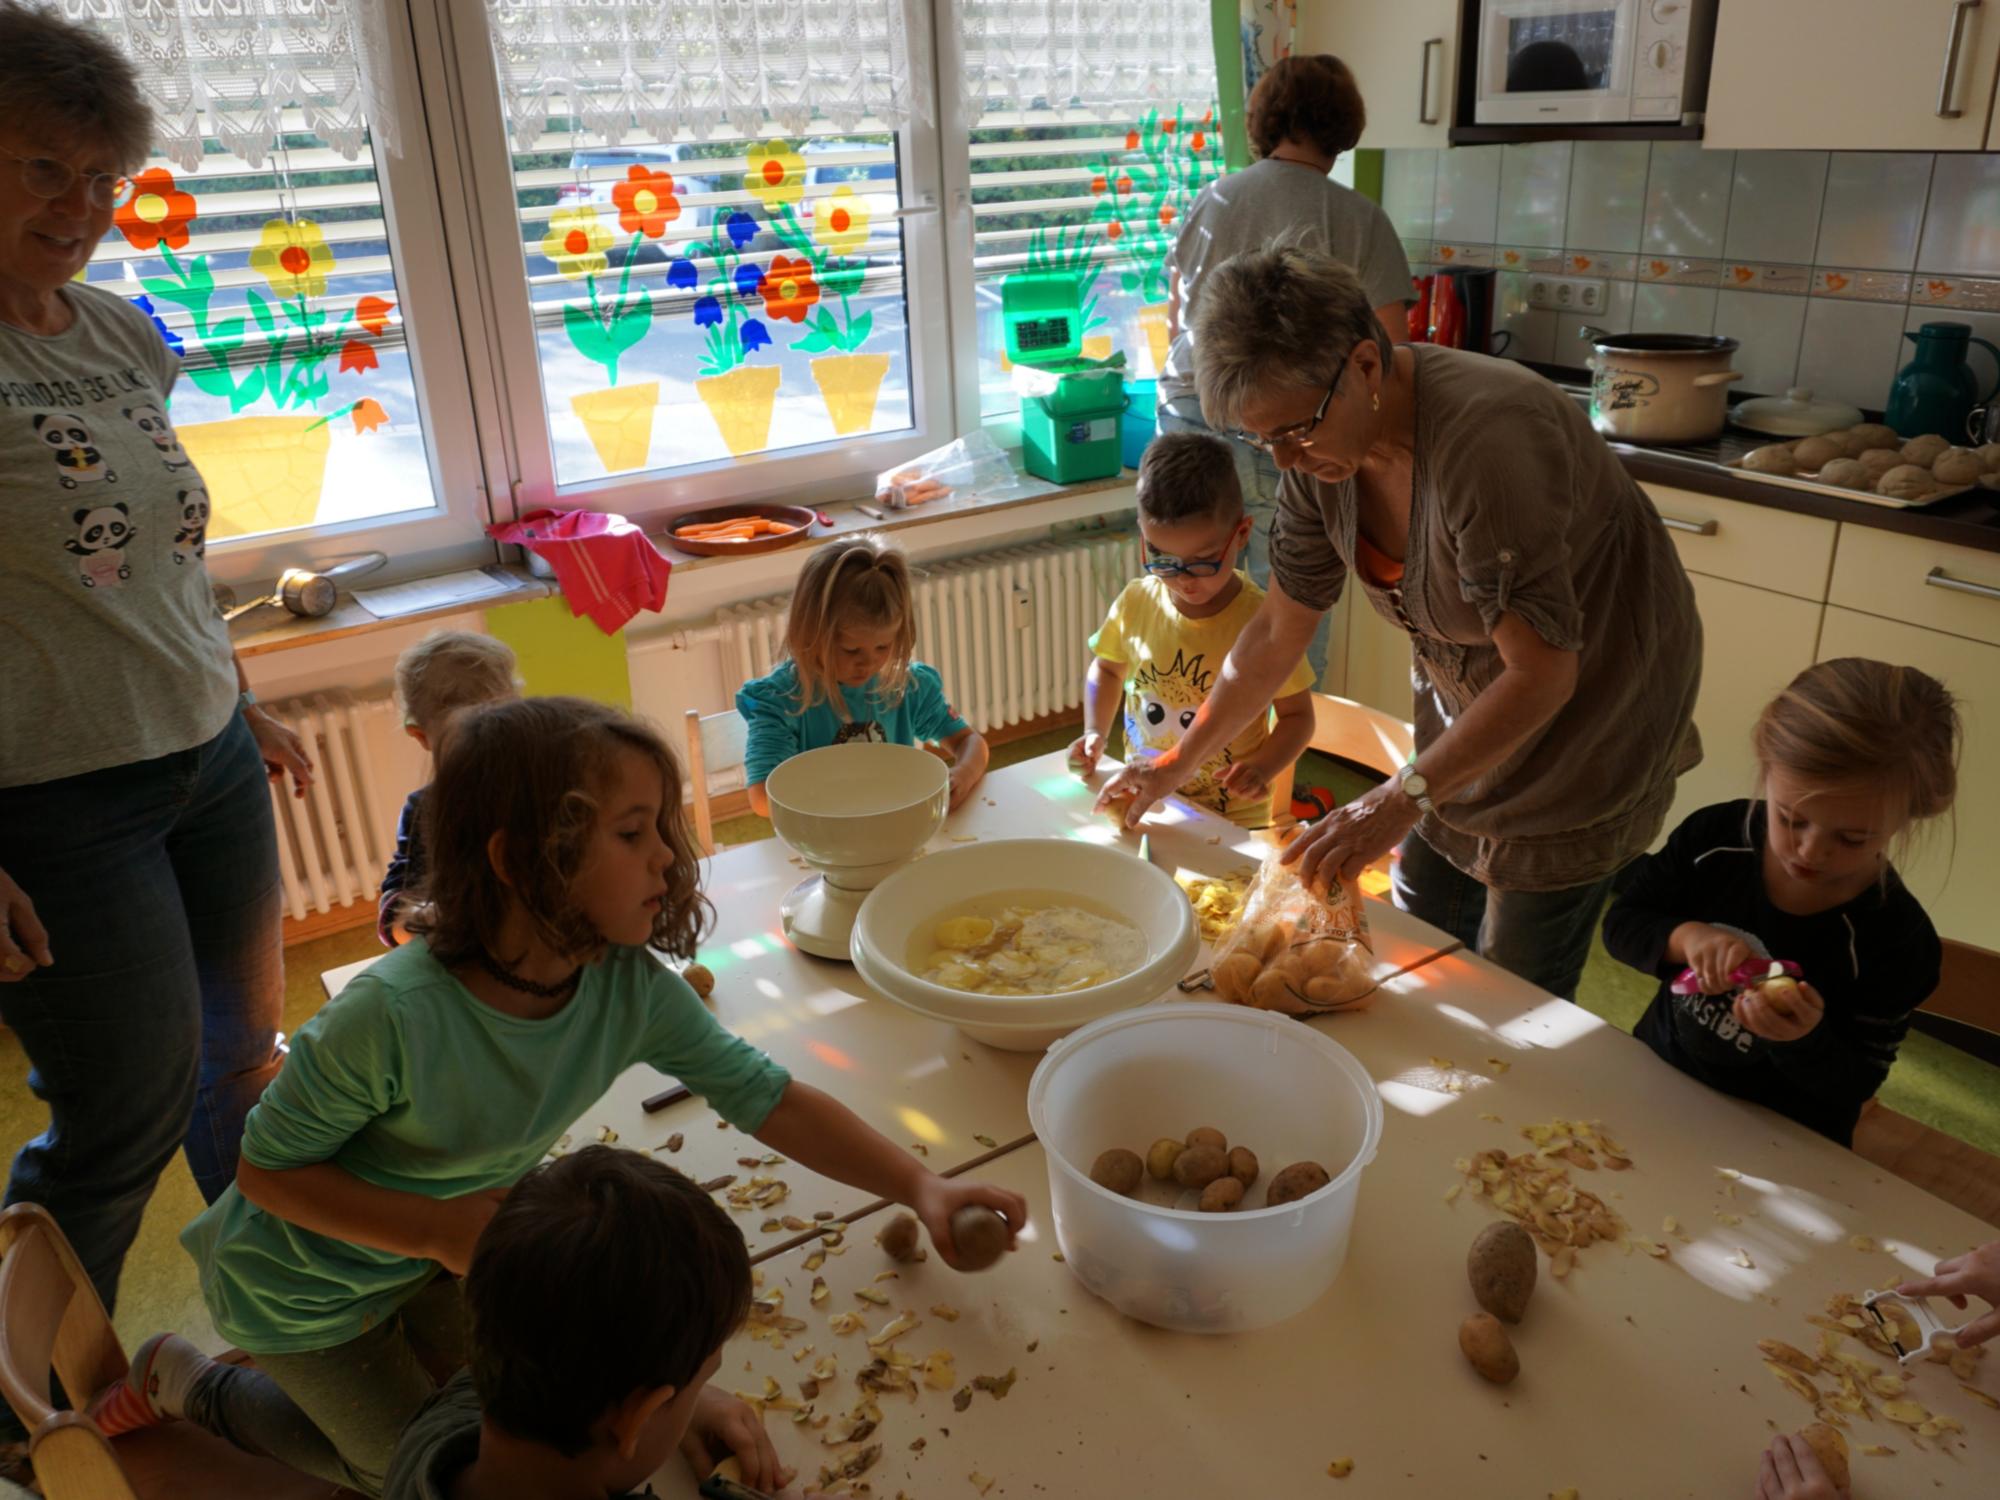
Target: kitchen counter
column 1969, row 520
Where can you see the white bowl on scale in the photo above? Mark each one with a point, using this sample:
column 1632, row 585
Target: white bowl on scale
column 856, row 813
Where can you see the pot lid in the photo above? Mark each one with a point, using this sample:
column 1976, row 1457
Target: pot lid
column 1794, row 414
column 1660, row 343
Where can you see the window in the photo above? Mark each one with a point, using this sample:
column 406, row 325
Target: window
column 274, row 284
column 700, row 301
column 1098, row 201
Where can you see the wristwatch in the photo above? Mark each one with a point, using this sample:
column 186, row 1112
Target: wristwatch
column 1416, row 788
column 245, row 701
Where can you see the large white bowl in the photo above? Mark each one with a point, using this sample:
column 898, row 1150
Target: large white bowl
column 1267, row 1081
column 910, row 901
column 855, row 813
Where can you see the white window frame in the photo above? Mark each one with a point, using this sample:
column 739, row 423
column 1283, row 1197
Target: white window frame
column 443, row 349
column 811, row 475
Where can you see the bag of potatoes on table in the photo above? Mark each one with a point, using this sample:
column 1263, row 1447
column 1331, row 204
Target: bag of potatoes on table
column 1294, row 950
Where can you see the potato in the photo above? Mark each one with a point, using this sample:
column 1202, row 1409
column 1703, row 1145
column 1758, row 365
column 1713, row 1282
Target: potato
column 1483, row 1340
column 1924, row 451
column 1296, row 1181
column 1878, row 461
column 699, row 979
column 1874, row 435
column 1958, row 466
column 1343, row 989
column 1989, row 456
column 1830, row 1448
column 1235, row 975
column 1118, row 1169
column 1501, row 1266
column 1814, row 452
column 1208, row 1135
column 963, row 932
column 1262, row 939
column 1161, row 1157
column 900, row 1239
column 1243, row 1164
column 1906, row 482
column 1198, row 1166
column 1772, row 458
column 1273, row 990
column 1221, row 1195
column 979, row 1235
column 1848, row 473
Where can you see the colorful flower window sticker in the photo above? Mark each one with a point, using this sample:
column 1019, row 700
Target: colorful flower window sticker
column 269, row 352
column 1141, row 198
column 604, row 329
column 814, row 286
column 740, row 396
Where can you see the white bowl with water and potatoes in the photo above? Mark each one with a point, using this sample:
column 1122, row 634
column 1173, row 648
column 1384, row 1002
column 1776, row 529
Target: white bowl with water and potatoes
column 896, row 939
column 856, row 813
column 1268, row 1082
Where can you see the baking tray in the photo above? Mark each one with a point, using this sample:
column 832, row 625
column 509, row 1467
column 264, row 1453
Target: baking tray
column 790, row 515
column 1867, row 497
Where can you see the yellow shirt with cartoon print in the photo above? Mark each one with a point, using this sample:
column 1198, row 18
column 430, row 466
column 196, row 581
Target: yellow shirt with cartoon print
column 1171, row 663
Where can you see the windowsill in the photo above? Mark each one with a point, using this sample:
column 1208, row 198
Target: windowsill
column 350, row 619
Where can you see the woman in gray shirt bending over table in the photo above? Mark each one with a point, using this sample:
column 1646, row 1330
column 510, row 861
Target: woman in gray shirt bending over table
column 1557, row 649
column 1301, row 116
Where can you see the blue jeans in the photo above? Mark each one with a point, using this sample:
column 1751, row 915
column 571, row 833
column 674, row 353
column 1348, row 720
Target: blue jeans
column 1258, row 474
column 157, row 1026
column 1543, row 936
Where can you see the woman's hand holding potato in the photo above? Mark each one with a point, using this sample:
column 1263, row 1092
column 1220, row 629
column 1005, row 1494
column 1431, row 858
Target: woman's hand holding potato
column 1780, row 1010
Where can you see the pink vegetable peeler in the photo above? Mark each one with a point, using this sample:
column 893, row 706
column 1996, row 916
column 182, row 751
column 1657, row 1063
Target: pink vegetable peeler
column 1744, row 976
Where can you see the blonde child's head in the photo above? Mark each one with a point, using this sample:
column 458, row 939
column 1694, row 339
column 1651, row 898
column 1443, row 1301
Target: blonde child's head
column 852, row 618
column 450, row 670
column 1851, row 756
column 569, row 811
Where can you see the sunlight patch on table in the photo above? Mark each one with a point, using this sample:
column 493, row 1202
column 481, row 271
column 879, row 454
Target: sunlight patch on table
column 1556, row 1023
column 829, row 1054
column 833, row 1002
column 1410, row 1099
column 920, row 1125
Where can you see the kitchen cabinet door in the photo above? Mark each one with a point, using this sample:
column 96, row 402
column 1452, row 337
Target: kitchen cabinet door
column 1954, row 869
column 1404, row 56
column 1853, row 75
column 1378, row 659
column 1753, row 643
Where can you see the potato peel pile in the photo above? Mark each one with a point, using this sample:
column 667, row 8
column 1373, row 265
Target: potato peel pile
column 1534, row 1189
column 1217, row 901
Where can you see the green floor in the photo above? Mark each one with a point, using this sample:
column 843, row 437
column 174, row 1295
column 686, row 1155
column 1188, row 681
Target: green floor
column 1931, row 1082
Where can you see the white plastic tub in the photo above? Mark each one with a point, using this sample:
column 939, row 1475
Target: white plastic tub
column 1266, row 1081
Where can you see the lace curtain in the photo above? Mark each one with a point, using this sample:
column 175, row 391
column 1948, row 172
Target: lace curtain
column 1102, row 57
column 655, row 68
column 229, row 69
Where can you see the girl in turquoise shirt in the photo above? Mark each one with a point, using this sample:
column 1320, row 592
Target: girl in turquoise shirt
column 849, row 638
column 560, row 855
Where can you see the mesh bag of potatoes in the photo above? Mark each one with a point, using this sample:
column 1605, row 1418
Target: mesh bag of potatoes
column 1294, row 950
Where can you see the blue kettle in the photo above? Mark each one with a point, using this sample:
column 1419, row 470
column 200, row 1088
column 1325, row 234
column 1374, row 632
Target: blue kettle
column 1936, row 391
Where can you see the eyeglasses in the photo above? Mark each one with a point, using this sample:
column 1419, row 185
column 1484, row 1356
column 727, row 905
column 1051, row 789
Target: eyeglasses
column 1295, row 434
column 1164, row 565
column 46, row 177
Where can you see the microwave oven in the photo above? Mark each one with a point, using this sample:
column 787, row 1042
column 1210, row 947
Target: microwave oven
column 1547, row 62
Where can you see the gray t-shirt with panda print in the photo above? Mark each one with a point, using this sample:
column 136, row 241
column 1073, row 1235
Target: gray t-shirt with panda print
column 114, row 649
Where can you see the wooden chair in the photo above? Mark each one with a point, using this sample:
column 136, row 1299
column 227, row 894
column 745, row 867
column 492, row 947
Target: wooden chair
column 716, row 745
column 1942, row 1165
column 51, row 1320
column 1352, row 731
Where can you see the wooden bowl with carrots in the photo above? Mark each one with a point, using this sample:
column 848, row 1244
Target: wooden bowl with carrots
column 741, row 530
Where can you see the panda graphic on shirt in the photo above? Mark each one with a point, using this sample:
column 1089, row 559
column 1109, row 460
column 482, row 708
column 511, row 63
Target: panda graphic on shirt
column 73, row 446
column 150, row 420
column 102, row 534
column 191, row 540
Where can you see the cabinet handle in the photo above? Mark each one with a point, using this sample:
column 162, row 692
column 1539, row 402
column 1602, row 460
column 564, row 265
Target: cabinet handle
column 1692, row 528
column 1424, row 115
column 1937, row 578
column 1951, row 51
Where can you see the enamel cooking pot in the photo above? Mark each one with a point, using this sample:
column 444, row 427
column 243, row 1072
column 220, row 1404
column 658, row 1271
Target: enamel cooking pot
column 1659, row 387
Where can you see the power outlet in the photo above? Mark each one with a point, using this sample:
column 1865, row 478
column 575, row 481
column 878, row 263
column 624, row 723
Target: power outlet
column 1575, row 294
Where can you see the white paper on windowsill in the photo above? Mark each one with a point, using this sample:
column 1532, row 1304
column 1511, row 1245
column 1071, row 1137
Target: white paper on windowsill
column 443, row 592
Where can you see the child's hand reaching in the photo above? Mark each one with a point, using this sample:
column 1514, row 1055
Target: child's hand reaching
column 964, row 778
column 938, row 1198
column 1976, row 1274
column 1778, row 1019
column 1085, row 753
column 1247, row 780
column 1712, row 953
column 1791, row 1471
column 722, row 1427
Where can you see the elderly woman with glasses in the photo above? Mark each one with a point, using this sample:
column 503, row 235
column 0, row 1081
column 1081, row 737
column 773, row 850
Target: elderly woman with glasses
column 1557, row 649
column 140, row 963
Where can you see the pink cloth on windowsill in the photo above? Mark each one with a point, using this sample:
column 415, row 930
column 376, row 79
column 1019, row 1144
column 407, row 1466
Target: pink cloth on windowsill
column 606, row 567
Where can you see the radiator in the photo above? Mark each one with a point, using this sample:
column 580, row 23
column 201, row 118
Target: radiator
column 335, row 841
column 1008, row 631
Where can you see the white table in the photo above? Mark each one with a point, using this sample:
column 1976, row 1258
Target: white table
column 1640, row 1377
column 918, row 1081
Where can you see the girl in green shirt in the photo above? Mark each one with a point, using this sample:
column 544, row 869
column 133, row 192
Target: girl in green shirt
column 560, row 854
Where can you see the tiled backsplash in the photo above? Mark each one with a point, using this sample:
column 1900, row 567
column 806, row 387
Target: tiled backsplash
column 1817, row 261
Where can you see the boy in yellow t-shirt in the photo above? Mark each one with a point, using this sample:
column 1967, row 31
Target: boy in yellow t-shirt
column 1161, row 648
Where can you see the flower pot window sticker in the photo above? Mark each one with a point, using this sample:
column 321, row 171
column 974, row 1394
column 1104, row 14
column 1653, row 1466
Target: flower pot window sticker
column 1141, row 195
column 283, row 324
column 752, row 288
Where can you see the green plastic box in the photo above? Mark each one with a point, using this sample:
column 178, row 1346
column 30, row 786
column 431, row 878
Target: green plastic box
column 1070, row 446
